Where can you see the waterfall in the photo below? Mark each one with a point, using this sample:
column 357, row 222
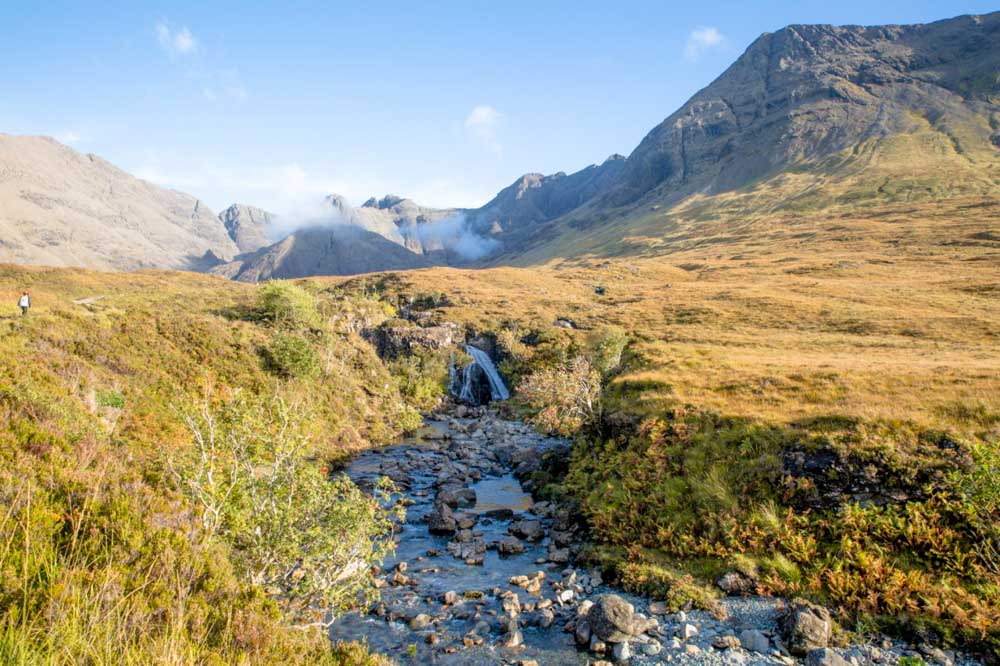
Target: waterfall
column 481, row 363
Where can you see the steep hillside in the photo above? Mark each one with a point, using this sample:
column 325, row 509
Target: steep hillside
column 809, row 119
column 247, row 226
column 59, row 207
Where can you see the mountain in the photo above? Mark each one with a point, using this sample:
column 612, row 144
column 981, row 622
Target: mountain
column 247, row 226
column 62, row 208
column 392, row 233
column 812, row 116
column 809, row 120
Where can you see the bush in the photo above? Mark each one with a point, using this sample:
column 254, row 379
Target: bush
column 290, row 355
column 422, row 377
column 605, row 345
column 566, row 397
column 287, row 305
column 302, row 538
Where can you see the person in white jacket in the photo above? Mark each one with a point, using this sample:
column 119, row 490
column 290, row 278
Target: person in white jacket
column 24, row 303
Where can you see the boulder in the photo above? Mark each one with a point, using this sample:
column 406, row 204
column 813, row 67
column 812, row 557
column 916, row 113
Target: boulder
column 825, row 657
column 736, row 584
column 805, row 627
column 753, row 640
column 612, row 619
column 441, row 520
column 527, row 529
column 457, row 497
column 509, row 545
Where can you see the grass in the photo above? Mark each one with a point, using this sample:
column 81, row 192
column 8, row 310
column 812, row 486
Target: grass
column 850, row 321
column 103, row 558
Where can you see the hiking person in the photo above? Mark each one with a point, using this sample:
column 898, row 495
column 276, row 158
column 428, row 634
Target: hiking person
column 24, row 303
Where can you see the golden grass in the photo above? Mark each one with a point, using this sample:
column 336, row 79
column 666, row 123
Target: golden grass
column 891, row 312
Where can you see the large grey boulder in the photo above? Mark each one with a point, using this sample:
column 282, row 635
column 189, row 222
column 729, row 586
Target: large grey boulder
column 806, row 626
column 612, row 619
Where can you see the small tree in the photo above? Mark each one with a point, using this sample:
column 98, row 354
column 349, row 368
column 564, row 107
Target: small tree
column 290, row 355
column 304, row 538
column 567, row 396
column 288, row 305
column 606, row 344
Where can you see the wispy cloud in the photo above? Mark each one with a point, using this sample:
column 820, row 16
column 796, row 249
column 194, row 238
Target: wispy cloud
column 701, row 40
column 482, row 124
column 175, row 41
column 68, row 137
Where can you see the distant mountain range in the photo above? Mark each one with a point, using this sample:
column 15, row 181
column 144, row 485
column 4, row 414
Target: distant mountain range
column 808, row 118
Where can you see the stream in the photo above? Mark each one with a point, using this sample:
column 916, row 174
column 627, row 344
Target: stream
column 484, row 574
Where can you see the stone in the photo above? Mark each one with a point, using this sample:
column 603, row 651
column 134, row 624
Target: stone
column 509, row 545
column 736, row 584
column 450, row 598
column 582, row 633
column 612, row 619
column 687, row 631
column 457, row 497
column 530, row 530
column 825, row 657
column 584, row 608
column 728, row 642
column 511, row 605
column 621, row 651
column 597, row 646
column 441, row 520
column 658, row 608
column 652, row 648
column 754, row 641
column 805, row 626
column 419, row 621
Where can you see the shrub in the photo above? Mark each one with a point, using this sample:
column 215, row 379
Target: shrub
column 304, row 539
column 287, row 305
column 290, row 355
column 566, row 397
column 605, row 346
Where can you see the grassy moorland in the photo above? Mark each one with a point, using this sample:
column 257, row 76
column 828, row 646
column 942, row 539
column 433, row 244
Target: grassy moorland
column 164, row 496
column 812, row 399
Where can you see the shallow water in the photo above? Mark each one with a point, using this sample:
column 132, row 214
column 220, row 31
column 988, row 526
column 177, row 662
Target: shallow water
column 422, row 460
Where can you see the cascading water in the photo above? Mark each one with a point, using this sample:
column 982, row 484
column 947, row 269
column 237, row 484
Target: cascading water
column 481, row 367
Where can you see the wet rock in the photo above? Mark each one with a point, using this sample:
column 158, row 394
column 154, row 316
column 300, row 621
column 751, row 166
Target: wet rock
column 597, row 646
column 509, row 545
column 527, row 529
column 825, row 657
column 511, row 605
column 736, row 584
column 687, row 631
column 431, row 639
column 457, row 497
column 398, row 579
column 499, row 514
column 546, row 618
column 805, row 626
column 558, row 555
column 450, row 598
column 419, row 621
column 442, row 520
column 611, row 618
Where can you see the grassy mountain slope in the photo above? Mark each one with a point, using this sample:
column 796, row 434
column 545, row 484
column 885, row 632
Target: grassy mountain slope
column 109, row 552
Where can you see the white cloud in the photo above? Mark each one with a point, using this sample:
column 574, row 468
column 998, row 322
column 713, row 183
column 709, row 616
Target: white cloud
column 68, row 137
column 482, row 124
column 701, row 40
column 175, row 42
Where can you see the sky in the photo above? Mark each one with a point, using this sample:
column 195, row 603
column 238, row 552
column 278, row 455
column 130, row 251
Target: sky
column 446, row 103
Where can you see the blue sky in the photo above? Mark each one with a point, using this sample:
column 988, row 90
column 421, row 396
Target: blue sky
column 443, row 102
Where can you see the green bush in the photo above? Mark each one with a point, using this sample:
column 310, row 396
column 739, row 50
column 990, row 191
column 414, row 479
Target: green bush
column 290, row 355
column 605, row 345
column 305, row 539
column 287, row 305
